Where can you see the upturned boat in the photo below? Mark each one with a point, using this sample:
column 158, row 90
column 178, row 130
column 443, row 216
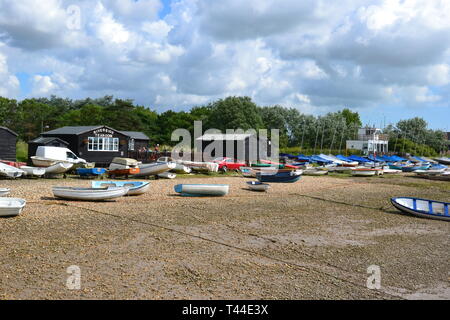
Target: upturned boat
column 135, row 187
column 364, row 172
column 4, row 192
column 257, row 186
column 279, row 176
column 90, row 172
column 59, row 168
column 423, row 207
column 11, row 206
column 89, row 194
column 10, row 171
column 33, row 171
column 192, row 190
column 167, row 175
column 152, row 169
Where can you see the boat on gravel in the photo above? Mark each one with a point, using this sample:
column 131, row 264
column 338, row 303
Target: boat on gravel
column 364, row 172
column 89, row 194
column 90, row 172
column 33, row 171
column 167, row 175
column 179, row 167
column 123, row 172
column 423, row 207
column 11, row 206
column 279, row 176
column 314, row 172
column 135, row 187
column 4, row 192
column 257, row 186
column 199, row 190
column 153, row 169
column 59, row 168
column 10, row 171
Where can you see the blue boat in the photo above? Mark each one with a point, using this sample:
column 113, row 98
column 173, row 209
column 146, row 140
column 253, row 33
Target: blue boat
column 423, row 207
column 414, row 168
column 90, row 172
column 135, row 187
column 280, row 176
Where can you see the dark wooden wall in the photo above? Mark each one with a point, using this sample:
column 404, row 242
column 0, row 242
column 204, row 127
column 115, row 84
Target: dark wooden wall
column 7, row 145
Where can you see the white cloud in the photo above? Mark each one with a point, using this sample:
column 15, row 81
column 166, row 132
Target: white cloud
column 315, row 55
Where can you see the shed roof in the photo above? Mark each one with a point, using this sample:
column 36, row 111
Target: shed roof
column 9, row 130
column 45, row 140
column 72, row 130
column 136, row 135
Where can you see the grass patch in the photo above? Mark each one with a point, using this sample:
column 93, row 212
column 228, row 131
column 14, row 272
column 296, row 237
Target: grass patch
column 22, row 151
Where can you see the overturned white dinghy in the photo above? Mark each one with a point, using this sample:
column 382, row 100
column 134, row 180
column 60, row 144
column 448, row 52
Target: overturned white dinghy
column 11, row 206
column 135, row 187
column 58, row 168
column 89, row 194
column 202, row 166
column 167, row 175
column 33, row 171
column 364, row 172
column 10, row 171
column 4, row 192
column 202, row 190
column 151, row 169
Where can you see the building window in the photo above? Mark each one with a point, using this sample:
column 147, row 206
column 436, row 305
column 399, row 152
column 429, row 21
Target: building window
column 103, row 144
column 131, row 146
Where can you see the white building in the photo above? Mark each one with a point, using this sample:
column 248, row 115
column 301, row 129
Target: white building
column 370, row 140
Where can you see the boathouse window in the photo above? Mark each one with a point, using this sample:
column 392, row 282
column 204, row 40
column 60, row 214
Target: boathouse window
column 103, row 144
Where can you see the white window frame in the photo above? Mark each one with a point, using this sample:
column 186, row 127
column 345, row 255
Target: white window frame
column 103, row 144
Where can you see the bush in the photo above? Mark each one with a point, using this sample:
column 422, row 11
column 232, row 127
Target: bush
column 22, row 151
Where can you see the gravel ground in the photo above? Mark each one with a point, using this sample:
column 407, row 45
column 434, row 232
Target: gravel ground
column 313, row 239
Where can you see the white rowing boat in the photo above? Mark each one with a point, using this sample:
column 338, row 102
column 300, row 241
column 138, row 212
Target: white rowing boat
column 202, row 189
column 58, row 168
column 167, row 175
column 89, row 194
column 258, row 186
column 135, row 187
column 4, row 192
column 10, row 171
column 314, row 172
column 11, row 206
column 33, row 171
column 364, row 172
column 152, row 169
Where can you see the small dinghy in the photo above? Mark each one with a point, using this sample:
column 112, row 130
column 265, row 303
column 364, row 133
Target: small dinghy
column 364, row 172
column 59, row 168
column 4, row 192
column 10, row 171
column 11, row 206
column 123, row 172
column 90, row 172
column 279, row 176
column 89, row 194
column 33, row 171
column 258, row 186
column 423, row 208
column 202, row 190
column 314, row 172
column 135, row 187
column 167, row 175
column 152, row 169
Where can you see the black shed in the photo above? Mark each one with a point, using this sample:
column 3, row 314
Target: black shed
column 241, row 146
column 8, row 141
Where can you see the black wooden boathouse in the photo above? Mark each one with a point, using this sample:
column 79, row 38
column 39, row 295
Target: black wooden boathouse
column 99, row 144
column 8, row 141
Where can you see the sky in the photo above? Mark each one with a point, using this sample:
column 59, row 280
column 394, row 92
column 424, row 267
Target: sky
column 388, row 60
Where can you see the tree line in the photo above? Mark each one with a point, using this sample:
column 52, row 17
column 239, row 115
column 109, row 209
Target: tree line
column 298, row 131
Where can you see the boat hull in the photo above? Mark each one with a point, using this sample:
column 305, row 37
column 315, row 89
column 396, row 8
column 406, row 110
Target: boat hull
column 4, row 192
column 364, row 172
column 424, row 208
column 135, row 187
column 258, row 186
column 33, row 171
column 167, row 175
column 279, row 177
column 123, row 172
column 152, row 169
column 89, row 194
column 90, row 172
column 11, row 206
column 205, row 190
column 59, row 168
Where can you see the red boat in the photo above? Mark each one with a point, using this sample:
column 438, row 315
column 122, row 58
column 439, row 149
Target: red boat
column 14, row 164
